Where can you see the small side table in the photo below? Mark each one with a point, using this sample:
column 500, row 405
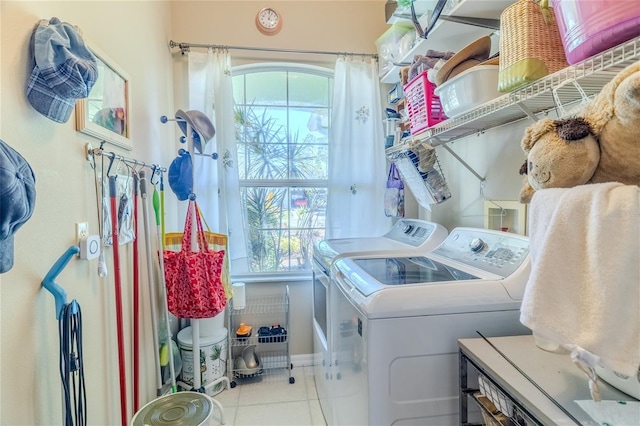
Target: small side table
column 551, row 373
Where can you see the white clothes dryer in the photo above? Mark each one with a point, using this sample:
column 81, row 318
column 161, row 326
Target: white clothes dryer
column 408, row 236
column 396, row 321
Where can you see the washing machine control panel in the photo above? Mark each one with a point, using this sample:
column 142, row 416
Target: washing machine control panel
column 411, row 231
column 500, row 253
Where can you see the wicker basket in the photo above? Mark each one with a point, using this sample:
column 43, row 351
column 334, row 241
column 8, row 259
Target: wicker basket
column 491, row 416
column 497, row 408
column 530, row 44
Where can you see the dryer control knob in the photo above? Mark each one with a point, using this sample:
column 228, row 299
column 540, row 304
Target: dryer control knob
column 476, row 245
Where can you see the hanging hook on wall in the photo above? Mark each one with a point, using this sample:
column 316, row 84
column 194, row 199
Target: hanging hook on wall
column 59, row 294
column 156, row 173
column 483, row 197
column 111, row 158
column 92, row 159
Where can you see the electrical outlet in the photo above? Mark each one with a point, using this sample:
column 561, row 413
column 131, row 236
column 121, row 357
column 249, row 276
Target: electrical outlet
column 82, row 230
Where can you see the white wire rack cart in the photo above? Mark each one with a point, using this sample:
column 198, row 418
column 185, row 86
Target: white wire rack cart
column 268, row 317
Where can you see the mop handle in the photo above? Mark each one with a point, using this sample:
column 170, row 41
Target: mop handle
column 136, row 300
column 152, row 291
column 162, row 210
column 165, row 307
column 119, row 325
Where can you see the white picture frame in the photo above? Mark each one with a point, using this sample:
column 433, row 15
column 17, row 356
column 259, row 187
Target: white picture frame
column 105, row 113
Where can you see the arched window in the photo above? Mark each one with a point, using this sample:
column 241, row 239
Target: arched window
column 282, row 115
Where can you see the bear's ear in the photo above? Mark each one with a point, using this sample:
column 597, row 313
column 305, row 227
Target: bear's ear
column 524, row 169
column 573, row 129
column 535, row 132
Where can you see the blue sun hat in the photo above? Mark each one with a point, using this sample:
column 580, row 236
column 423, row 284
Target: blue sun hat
column 63, row 69
column 181, row 175
column 201, row 127
column 17, row 199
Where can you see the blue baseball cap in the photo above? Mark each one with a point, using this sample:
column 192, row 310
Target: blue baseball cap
column 181, row 175
column 17, row 199
column 64, row 69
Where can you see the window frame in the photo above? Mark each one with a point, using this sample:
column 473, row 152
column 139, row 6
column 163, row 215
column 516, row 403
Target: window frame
column 283, row 183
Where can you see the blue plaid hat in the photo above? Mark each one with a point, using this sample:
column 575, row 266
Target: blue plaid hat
column 17, row 199
column 181, row 175
column 64, row 69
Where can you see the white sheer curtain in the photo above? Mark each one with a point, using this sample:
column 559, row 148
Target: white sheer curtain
column 357, row 164
column 217, row 188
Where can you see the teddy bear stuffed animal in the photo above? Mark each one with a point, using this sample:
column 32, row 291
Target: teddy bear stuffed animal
column 614, row 116
column 561, row 153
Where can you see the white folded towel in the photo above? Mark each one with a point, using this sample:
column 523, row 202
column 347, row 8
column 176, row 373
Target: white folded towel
column 584, row 287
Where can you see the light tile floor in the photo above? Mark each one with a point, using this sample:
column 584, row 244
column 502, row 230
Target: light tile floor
column 272, row 402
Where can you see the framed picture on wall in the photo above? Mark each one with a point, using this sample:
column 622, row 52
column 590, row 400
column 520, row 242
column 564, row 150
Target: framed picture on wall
column 104, row 114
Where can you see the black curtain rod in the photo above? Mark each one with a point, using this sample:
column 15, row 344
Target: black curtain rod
column 184, row 47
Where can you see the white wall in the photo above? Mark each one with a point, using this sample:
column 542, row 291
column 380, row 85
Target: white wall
column 496, row 156
column 134, row 34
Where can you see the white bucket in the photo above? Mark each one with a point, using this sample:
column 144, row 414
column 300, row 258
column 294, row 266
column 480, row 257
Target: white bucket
column 179, row 409
column 213, row 358
column 210, row 327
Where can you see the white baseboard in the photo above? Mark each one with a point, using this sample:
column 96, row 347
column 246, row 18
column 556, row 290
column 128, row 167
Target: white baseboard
column 302, row 360
column 276, row 361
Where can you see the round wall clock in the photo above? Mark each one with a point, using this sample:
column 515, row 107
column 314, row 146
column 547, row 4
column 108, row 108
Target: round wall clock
column 268, row 21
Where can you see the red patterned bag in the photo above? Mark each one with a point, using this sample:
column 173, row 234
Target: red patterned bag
column 193, row 279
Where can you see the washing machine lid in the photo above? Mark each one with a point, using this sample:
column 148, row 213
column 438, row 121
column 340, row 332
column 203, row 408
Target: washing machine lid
column 410, row 270
column 327, row 251
column 450, row 288
column 472, row 270
column 407, row 235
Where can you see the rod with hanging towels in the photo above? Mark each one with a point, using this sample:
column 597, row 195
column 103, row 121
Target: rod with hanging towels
column 184, row 48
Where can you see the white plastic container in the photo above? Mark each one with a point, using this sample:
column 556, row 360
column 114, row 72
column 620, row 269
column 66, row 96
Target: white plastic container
column 212, row 326
column 213, row 358
column 469, row 89
column 393, row 45
column 588, row 27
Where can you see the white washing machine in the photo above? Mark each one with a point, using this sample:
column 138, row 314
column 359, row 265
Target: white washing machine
column 395, row 321
column 406, row 236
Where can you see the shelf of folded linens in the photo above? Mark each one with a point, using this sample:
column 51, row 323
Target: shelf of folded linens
column 448, row 35
column 535, row 99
